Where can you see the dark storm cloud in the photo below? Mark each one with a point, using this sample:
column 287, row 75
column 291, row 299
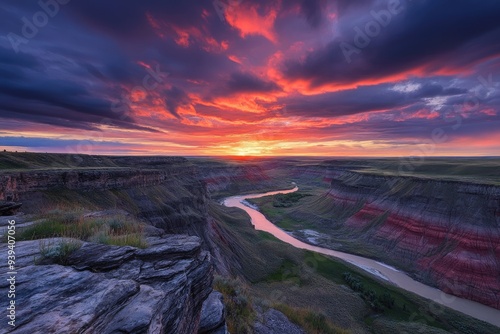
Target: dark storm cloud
column 174, row 98
column 27, row 94
column 366, row 99
column 93, row 53
column 313, row 11
column 249, row 83
column 425, row 33
column 47, row 142
column 433, row 90
column 128, row 19
column 17, row 60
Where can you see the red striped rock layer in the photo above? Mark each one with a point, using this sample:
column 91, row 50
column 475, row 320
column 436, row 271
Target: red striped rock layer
column 448, row 231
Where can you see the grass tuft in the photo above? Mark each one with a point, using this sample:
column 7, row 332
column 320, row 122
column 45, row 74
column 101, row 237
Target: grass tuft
column 312, row 322
column 59, row 251
column 240, row 314
column 116, row 230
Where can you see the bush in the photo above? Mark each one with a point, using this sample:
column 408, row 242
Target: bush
column 60, row 251
column 377, row 302
column 240, row 314
column 287, row 200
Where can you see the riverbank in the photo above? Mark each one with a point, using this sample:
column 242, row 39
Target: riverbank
column 400, row 279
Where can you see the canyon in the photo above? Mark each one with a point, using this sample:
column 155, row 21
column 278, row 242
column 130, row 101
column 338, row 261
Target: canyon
column 411, row 223
column 444, row 233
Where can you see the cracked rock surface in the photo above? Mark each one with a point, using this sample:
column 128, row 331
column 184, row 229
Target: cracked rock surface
column 112, row 289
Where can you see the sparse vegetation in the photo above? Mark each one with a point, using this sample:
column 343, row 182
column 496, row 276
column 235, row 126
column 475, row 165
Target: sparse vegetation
column 117, row 230
column 287, row 200
column 311, row 321
column 59, row 251
column 240, row 314
column 288, row 271
column 378, row 302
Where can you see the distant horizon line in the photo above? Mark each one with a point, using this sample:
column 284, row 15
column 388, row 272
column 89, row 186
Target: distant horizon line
column 242, row 157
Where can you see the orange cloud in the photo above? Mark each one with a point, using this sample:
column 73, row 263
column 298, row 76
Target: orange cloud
column 249, row 22
column 235, row 59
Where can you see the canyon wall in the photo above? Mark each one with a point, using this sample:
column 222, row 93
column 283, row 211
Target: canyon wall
column 111, row 289
column 112, row 173
column 222, row 179
column 446, row 232
column 166, row 284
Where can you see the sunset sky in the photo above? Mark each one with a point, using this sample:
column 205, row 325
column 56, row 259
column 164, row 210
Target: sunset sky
column 241, row 77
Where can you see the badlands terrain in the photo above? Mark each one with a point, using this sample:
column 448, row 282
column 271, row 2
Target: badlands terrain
column 145, row 245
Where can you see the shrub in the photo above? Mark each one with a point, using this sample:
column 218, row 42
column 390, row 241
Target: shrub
column 377, row 302
column 59, row 251
column 240, row 314
column 287, row 200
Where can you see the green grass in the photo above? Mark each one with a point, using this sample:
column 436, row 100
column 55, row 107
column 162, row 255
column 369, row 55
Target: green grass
column 240, row 314
column 59, row 251
column 333, row 270
column 287, row 200
column 277, row 208
column 311, row 321
column 288, row 271
column 469, row 169
column 111, row 230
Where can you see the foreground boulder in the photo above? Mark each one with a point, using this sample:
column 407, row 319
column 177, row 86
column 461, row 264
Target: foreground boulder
column 111, row 289
column 213, row 320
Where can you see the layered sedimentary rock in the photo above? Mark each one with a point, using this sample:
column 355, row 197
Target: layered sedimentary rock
column 448, row 232
column 15, row 184
column 160, row 289
column 110, row 289
column 234, row 178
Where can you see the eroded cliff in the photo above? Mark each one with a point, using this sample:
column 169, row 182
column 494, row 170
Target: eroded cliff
column 447, row 233
column 111, row 289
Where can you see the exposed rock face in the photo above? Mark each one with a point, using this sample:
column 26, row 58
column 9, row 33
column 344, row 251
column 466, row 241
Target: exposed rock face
column 110, row 289
column 449, row 232
column 213, row 319
column 15, row 184
column 232, row 178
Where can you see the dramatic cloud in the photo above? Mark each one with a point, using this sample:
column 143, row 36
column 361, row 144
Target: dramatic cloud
column 325, row 77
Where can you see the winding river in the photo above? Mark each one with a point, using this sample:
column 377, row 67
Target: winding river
column 398, row 278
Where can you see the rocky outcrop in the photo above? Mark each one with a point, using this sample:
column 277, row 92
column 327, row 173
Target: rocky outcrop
column 213, row 319
column 110, row 289
column 447, row 231
column 14, row 185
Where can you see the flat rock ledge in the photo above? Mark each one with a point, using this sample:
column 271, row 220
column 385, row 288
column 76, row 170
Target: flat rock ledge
column 111, row 289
